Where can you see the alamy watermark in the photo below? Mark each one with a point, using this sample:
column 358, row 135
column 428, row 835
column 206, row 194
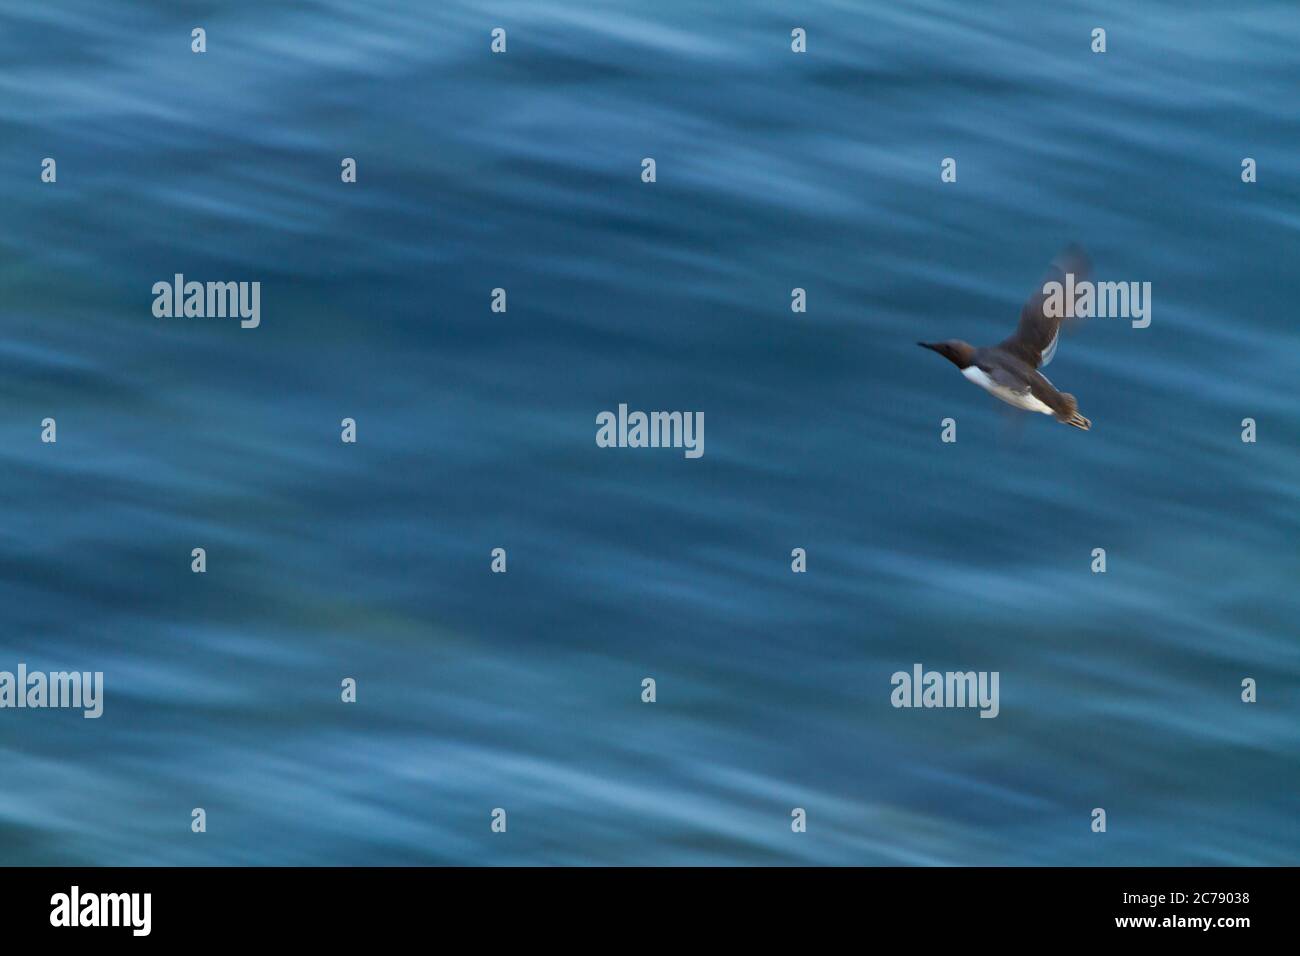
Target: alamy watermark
column 1105, row 300
column 82, row 690
column 922, row 688
column 653, row 430
column 76, row 908
column 215, row 300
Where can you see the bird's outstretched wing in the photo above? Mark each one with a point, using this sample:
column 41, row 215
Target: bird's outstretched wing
column 1036, row 336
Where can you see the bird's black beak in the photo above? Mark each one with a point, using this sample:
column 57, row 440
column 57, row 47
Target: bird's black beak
column 927, row 345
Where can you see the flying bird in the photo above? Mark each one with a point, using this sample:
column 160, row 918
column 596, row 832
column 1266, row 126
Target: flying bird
column 1010, row 369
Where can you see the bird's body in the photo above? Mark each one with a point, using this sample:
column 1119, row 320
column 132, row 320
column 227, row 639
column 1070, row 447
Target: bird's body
column 1010, row 370
column 1021, row 399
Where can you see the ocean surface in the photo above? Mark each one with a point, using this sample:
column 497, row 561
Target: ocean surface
column 476, row 430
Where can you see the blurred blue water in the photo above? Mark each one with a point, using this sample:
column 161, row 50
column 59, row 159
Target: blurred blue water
column 476, row 430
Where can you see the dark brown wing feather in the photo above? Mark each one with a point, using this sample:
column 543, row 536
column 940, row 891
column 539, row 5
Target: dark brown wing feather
column 1036, row 330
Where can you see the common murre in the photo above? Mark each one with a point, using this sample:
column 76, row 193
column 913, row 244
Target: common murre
column 1010, row 369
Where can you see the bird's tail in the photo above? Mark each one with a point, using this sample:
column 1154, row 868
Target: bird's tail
column 1068, row 413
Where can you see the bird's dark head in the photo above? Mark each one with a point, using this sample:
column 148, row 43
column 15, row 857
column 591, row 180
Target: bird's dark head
column 959, row 353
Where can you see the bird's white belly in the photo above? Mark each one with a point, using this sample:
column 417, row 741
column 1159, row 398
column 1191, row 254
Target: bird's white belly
column 1025, row 400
